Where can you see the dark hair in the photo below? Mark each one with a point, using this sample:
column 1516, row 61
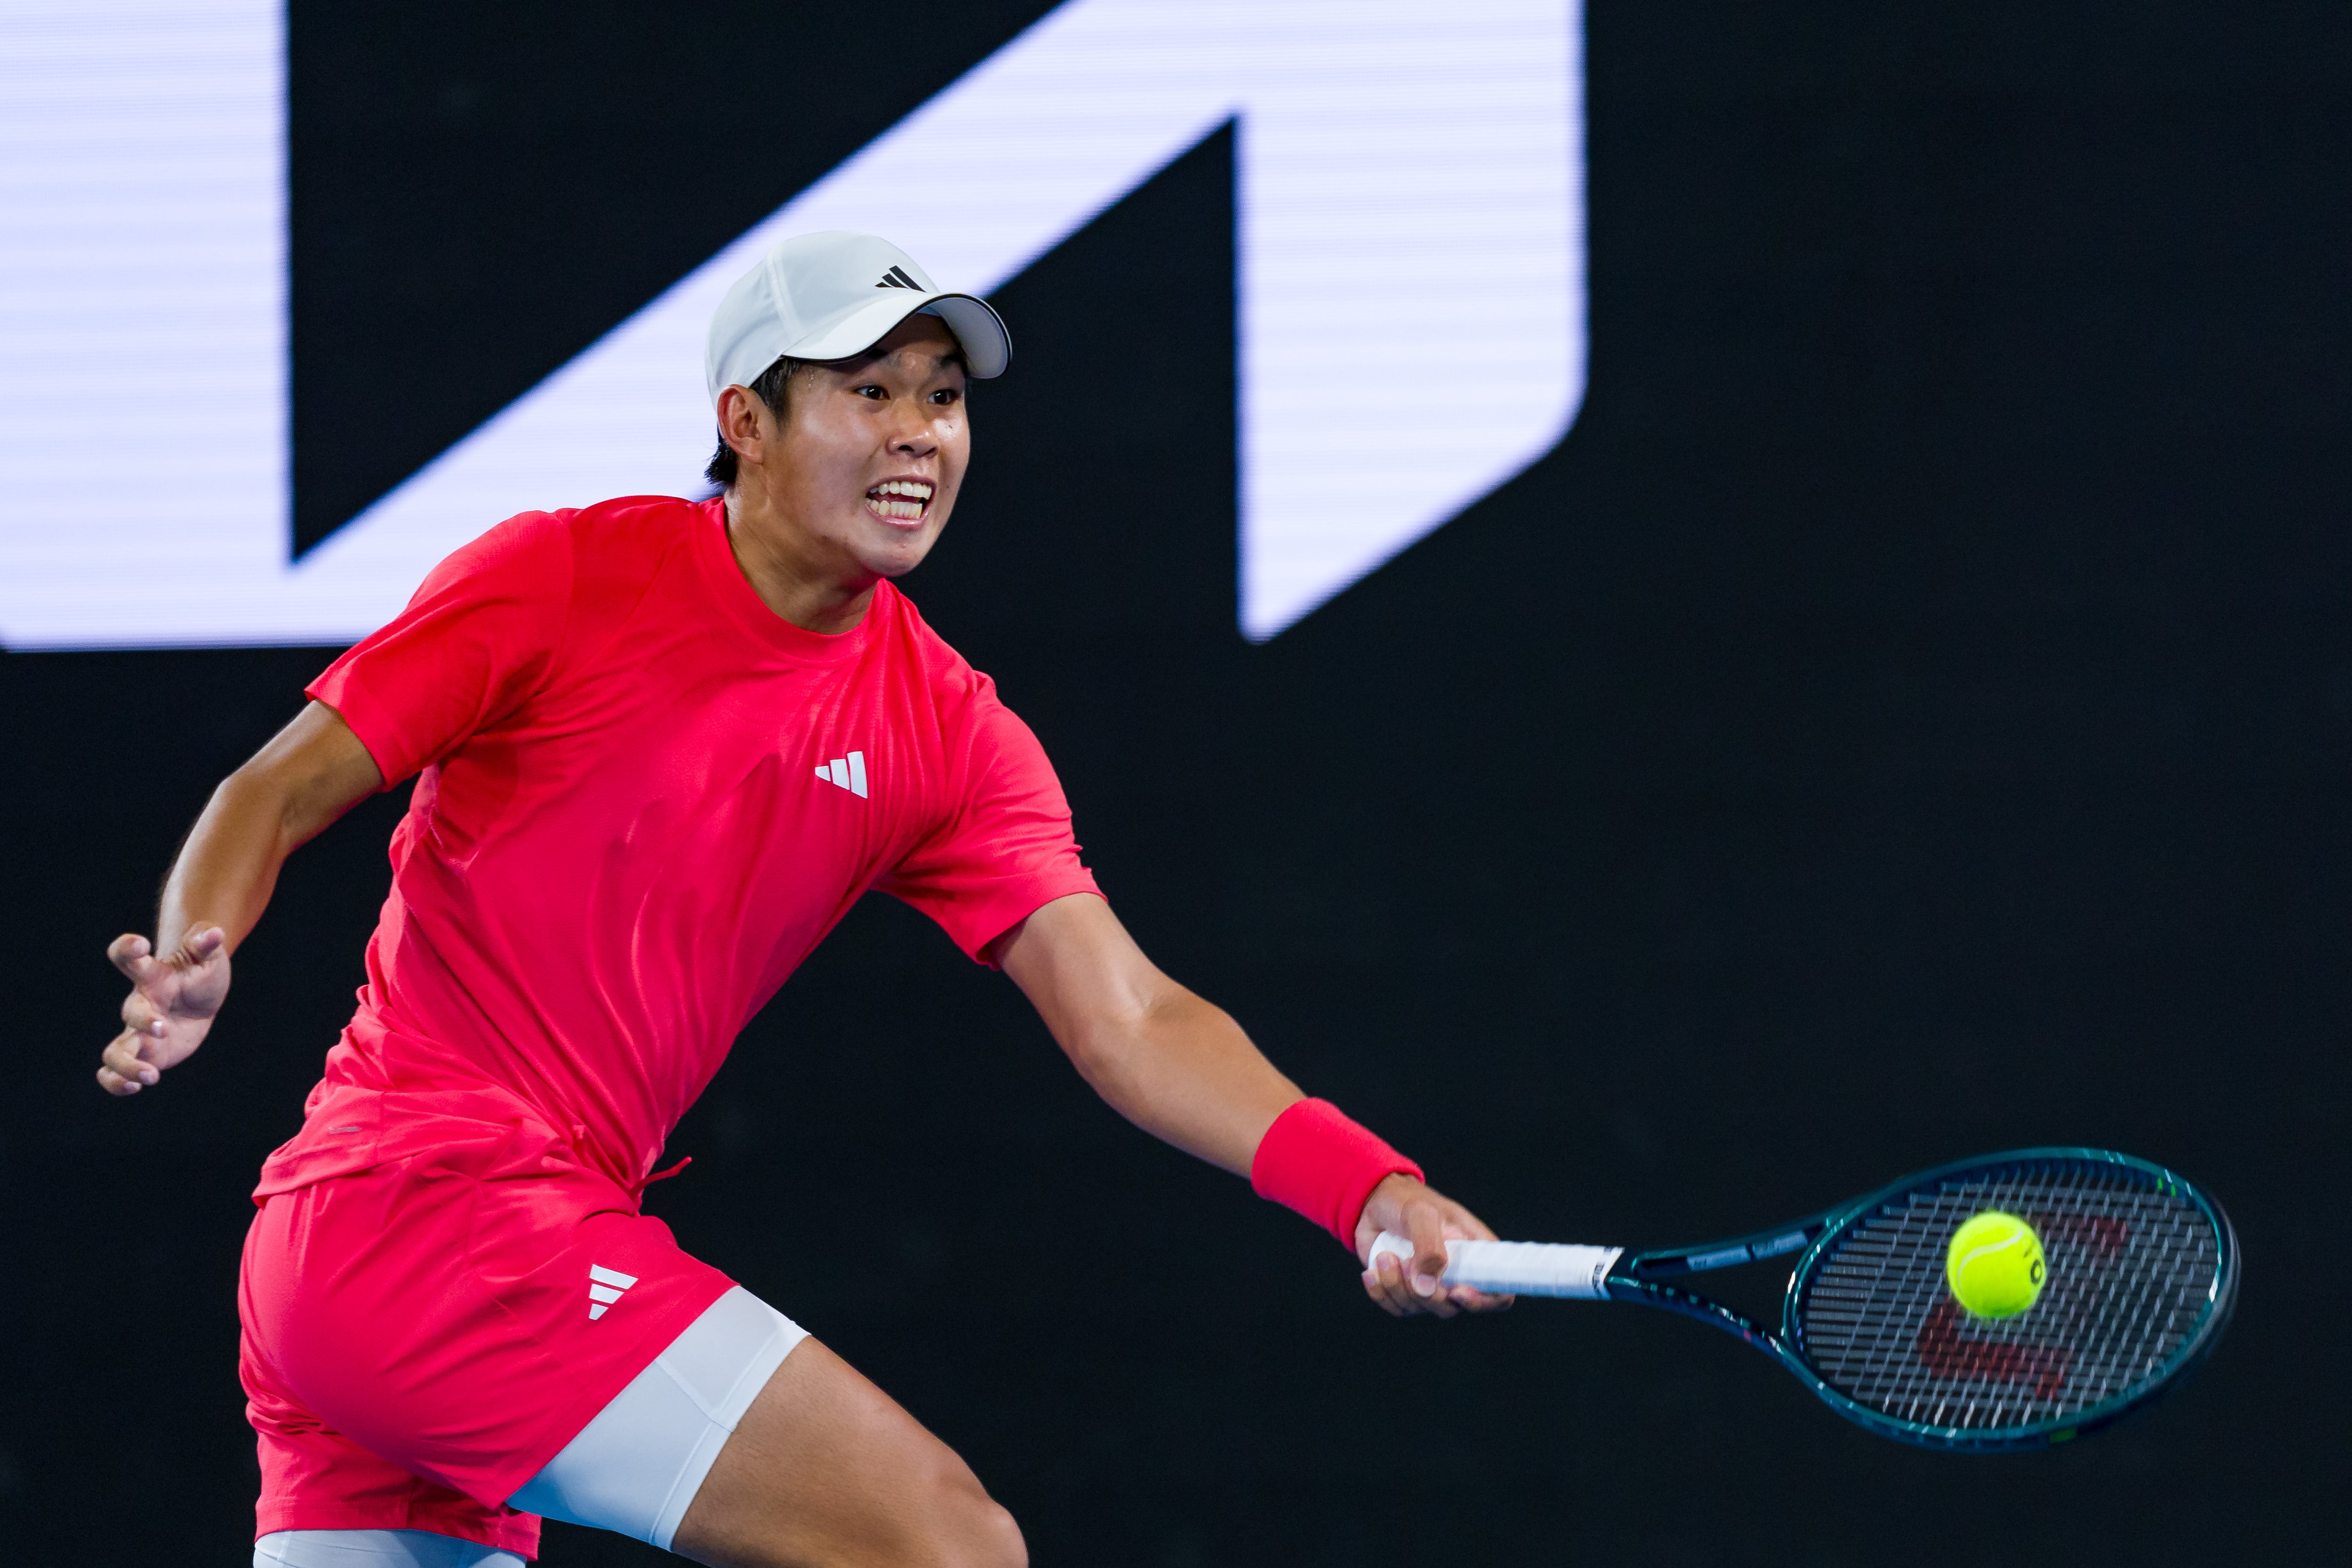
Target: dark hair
column 771, row 386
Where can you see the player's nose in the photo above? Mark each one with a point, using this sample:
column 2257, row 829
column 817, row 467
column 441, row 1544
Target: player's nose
column 912, row 432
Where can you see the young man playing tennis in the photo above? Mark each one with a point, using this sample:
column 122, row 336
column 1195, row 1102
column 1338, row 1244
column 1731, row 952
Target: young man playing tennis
column 661, row 747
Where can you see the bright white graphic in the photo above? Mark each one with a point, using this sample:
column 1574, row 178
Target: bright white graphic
column 144, row 464
column 606, row 1286
column 846, row 773
column 1410, row 292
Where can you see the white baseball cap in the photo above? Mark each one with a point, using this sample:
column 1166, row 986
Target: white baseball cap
column 828, row 296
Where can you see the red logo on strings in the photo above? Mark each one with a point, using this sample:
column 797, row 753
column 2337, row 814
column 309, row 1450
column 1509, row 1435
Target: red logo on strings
column 1947, row 1351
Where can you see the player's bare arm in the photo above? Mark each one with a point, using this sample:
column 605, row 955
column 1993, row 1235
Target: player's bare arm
column 310, row 773
column 1180, row 1068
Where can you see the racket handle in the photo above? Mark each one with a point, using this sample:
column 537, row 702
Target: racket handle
column 1516, row 1267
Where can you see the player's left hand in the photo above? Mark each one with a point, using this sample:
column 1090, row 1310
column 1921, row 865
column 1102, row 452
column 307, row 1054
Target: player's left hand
column 1429, row 1221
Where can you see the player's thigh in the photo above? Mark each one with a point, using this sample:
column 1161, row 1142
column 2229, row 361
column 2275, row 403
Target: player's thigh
column 826, row 1469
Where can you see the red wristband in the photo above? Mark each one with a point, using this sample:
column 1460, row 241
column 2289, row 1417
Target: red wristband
column 1316, row 1161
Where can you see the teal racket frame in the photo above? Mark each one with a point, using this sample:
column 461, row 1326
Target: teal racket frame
column 1648, row 1278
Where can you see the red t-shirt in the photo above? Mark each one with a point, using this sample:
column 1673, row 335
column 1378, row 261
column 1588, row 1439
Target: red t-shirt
column 644, row 797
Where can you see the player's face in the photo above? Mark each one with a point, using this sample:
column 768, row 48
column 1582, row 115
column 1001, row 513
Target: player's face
column 874, row 447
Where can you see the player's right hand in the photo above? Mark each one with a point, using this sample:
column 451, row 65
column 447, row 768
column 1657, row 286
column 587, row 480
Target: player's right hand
column 170, row 1008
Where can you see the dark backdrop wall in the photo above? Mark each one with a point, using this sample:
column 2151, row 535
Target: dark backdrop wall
column 1910, row 714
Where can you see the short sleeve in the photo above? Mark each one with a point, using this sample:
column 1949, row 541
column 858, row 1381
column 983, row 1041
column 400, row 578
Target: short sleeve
column 475, row 641
column 1007, row 849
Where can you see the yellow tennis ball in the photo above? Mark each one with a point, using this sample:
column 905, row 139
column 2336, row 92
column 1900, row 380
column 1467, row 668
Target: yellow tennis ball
column 1995, row 1265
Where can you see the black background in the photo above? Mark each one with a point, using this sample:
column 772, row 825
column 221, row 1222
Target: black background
column 1910, row 714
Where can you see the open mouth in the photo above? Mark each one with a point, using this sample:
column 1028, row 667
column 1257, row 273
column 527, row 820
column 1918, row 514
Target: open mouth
column 900, row 500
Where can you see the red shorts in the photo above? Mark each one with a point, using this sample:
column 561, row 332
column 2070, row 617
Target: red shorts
column 416, row 1307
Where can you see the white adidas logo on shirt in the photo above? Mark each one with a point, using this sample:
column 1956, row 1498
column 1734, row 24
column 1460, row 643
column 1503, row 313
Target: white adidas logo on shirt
column 847, row 772
column 605, row 1287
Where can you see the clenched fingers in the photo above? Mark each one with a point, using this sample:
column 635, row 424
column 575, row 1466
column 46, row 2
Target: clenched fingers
column 1471, row 1300
column 122, row 1069
column 1401, row 1291
column 141, row 1016
column 134, row 955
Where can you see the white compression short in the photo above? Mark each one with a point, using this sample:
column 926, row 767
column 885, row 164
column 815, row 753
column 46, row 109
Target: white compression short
column 633, row 1469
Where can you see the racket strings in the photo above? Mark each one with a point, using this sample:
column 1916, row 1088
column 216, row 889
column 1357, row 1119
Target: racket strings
column 2130, row 1276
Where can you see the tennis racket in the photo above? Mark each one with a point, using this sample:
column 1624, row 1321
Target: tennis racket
column 2142, row 1271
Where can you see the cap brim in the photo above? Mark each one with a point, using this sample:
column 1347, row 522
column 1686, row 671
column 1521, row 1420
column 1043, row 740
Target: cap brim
column 979, row 331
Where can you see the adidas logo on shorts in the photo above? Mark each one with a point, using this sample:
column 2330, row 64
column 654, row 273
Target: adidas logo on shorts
column 606, row 1286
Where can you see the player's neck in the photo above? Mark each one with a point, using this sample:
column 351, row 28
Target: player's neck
column 795, row 575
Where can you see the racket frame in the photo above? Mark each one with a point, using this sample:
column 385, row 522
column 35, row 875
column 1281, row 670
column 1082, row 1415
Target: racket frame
column 1648, row 1278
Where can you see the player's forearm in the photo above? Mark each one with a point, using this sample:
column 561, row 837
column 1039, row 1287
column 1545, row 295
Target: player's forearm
column 1174, row 1064
column 228, row 868
column 309, row 774
column 1181, row 1068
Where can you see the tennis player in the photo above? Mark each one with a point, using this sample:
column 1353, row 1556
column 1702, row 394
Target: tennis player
column 661, row 746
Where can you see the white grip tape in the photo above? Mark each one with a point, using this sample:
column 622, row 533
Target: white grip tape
column 1517, row 1268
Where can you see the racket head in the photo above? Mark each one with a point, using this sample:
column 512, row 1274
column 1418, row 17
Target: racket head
column 2142, row 1273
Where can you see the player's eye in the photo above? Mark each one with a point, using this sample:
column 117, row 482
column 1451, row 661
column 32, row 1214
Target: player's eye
column 872, row 390
column 947, row 396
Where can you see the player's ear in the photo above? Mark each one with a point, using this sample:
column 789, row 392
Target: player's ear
column 740, row 423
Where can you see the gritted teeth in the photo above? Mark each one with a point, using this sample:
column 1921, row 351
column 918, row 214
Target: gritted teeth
column 900, row 500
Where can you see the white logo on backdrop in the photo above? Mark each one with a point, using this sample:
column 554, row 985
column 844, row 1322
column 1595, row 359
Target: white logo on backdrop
column 1410, row 294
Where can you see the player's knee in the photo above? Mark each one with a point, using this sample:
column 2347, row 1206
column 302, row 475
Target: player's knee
column 969, row 1529
column 996, row 1540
